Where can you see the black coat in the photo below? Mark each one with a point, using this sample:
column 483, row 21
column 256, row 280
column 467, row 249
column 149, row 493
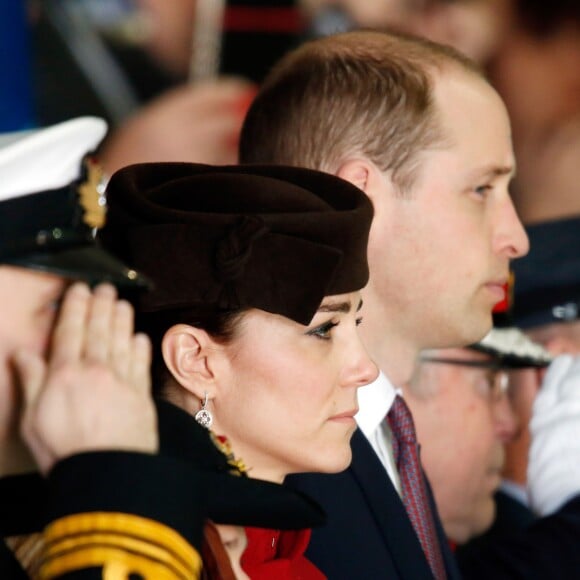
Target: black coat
column 521, row 547
column 369, row 535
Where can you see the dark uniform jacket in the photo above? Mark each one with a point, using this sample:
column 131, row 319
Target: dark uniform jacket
column 521, row 547
column 369, row 535
column 512, row 517
column 107, row 509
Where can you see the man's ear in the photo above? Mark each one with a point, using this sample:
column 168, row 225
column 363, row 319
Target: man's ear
column 366, row 176
column 357, row 171
column 190, row 355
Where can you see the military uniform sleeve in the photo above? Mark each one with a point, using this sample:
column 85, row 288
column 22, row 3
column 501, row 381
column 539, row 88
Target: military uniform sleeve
column 117, row 515
column 22, row 501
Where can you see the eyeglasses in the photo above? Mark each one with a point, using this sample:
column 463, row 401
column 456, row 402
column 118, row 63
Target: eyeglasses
column 495, row 384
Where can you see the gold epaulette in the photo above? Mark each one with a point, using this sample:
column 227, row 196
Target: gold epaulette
column 121, row 544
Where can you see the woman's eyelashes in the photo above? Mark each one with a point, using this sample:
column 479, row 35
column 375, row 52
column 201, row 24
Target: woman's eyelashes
column 323, row 331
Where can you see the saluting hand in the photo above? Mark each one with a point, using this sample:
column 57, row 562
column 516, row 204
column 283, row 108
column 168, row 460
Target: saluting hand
column 93, row 392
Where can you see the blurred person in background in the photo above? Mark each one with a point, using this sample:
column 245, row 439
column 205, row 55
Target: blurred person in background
column 536, row 71
column 461, row 402
column 546, row 307
column 174, row 78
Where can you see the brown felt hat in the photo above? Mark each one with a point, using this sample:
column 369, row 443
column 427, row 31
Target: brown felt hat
column 233, row 237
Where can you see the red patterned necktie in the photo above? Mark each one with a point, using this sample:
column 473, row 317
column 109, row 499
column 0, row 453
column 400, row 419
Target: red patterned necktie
column 414, row 491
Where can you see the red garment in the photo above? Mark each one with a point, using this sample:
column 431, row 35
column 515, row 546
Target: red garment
column 278, row 554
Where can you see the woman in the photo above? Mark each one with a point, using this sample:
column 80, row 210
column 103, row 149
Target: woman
column 254, row 315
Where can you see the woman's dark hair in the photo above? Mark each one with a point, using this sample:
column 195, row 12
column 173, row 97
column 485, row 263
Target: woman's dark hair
column 220, row 325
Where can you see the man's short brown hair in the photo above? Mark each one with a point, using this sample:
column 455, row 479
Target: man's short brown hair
column 359, row 93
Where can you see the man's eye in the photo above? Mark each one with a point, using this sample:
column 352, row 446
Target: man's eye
column 49, row 308
column 483, row 189
column 54, row 305
column 323, row 331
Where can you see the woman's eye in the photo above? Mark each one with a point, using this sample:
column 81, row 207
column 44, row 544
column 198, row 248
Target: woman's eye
column 323, row 331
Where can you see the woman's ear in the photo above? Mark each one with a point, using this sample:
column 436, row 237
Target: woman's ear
column 190, row 355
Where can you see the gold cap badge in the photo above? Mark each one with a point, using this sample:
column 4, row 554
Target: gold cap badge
column 92, row 195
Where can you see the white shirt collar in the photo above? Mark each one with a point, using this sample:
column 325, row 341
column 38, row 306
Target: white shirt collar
column 375, row 401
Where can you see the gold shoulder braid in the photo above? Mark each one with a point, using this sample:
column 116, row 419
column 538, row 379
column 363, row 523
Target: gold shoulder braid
column 92, row 194
column 120, row 544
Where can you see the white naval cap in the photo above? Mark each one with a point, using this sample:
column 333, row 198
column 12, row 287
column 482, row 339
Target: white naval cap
column 46, row 159
column 51, row 203
column 513, row 348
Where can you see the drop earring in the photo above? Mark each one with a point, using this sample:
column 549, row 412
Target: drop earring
column 203, row 416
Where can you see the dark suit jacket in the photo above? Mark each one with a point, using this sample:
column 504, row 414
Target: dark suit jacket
column 369, row 535
column 521, row 547
column 512, row 517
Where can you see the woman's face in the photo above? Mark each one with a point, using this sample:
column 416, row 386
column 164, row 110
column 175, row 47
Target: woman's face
column 288, row 400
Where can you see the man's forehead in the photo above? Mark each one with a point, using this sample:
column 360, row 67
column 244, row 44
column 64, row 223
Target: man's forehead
column 458, row 91
column 11, row 276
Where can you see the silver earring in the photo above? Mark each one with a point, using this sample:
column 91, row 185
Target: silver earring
column 203, row 416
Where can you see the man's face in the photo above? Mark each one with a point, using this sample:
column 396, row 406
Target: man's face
column 525, row 384
column 30, row 301
column 439, row 254
column 463, row 417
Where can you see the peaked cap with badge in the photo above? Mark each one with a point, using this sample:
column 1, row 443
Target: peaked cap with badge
column 52, row 202
column 227, row 238
column 547, row 286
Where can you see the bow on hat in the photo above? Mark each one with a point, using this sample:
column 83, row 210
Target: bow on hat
column 230, row 273
column 227, row 238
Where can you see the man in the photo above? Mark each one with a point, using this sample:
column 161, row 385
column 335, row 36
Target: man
column 461, row 403
column 417, row 128
column 84, row 381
